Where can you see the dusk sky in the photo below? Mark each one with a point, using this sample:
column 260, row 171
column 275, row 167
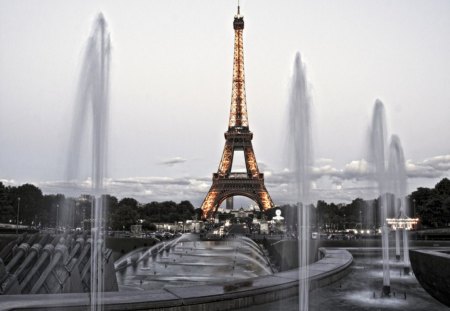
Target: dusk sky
column 171, row 74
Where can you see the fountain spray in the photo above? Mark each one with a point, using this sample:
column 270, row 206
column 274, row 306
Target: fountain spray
column 300, row 161
column 397, row 186
column 377, row 156
column 93, row 100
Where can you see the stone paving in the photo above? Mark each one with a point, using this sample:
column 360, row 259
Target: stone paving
column 357, row 290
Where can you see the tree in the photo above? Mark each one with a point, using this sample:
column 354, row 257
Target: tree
column 198, row 213
column 53, row 211
column 443, row 187
column 110, row 203
column 186, row 210
column 446, row 211
column 354, row 211
column 130, row 202
column 30, row 202
column 151, row 212
column 433, row 211
column 433, row 205
column 7, row 212
column 123, row 218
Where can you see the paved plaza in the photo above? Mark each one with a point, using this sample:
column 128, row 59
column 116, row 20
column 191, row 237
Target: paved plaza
column 356, row 291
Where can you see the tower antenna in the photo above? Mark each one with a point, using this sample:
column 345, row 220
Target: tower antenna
column 239, row 9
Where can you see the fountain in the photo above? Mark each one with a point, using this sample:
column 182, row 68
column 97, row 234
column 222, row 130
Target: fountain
column 397, row 186
column 377, row 156
column 397, row 245
column 300, row 161
column 93, row 100
column 187, row 261
column 391, row 178
column 72, row 262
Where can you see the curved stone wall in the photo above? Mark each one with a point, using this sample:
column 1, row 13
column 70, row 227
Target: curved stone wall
column 331, row 267
column 432, row 270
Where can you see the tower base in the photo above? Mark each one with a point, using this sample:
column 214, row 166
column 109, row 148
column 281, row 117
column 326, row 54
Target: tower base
column 241, row 184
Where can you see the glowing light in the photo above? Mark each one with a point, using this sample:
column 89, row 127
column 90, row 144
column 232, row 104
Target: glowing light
column 402, row 223
column 238, row 137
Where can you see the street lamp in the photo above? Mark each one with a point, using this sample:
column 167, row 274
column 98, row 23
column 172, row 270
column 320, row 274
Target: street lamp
column 74, row 214
column 344, row 222
column 57, row 216
column 17, row 220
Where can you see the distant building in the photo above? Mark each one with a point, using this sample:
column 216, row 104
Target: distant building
column 241, row 213
column 229, row 203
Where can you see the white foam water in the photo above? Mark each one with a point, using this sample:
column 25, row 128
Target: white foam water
column 300, row 162
column 92, row 102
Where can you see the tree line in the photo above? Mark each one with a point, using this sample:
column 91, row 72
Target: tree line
column 28, row 205
column 331, row 217
column 431, row 206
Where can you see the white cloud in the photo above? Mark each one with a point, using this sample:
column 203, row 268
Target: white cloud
column 418, row 170
column 358, row 169
column 441, row 162
column 323, row 161
column 325, row 170
column 8, row 182
column 429, row 168
column 330, row 183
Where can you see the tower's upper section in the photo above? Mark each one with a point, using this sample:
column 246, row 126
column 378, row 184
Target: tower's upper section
column 238, row 111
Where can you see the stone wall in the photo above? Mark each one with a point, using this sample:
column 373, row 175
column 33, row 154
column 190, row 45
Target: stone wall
column 432, row 270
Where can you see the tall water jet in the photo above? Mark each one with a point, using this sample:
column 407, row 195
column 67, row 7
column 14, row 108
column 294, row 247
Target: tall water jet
column 397, row 186
column 397, row 244
column 300, row 161
column 93, row 90
column 377, row 157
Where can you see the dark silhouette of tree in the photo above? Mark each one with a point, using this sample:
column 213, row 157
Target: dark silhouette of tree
column 30, row 202
column 7, row 212
column 124, row 217
column 130, row 202
column 443, row 187
column 432, row 206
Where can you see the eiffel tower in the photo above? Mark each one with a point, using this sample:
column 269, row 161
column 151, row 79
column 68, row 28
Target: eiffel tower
column 238, row 138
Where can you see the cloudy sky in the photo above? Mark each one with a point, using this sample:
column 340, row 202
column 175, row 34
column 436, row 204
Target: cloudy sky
column 171, row 77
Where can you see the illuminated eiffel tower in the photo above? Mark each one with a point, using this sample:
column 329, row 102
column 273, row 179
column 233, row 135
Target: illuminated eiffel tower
column 238, row 138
